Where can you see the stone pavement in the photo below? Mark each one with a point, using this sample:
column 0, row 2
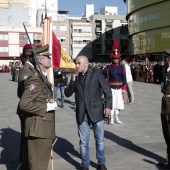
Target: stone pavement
column 136, row 145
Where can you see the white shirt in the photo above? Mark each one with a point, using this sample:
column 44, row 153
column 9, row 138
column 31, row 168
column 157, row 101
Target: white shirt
column 128, row 73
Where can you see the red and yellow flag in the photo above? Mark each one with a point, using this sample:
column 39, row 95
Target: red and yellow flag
column 60, row 59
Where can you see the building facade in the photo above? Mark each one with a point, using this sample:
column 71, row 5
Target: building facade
column 149, row 27
column 105, row 29
column 61, row 29
column 39, row 7
column 12, row 41
column 80, row 38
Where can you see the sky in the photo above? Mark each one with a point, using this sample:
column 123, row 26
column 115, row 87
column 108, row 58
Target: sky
column 76, row 7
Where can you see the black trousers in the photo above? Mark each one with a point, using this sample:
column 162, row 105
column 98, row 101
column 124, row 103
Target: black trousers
column 165, row 119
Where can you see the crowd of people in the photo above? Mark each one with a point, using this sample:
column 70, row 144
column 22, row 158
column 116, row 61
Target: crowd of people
column 99, row 91
column 149, row 72
column 5, row 69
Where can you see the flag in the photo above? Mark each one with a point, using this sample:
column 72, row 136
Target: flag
column 56, row 51
column 65, row 61
column 60, row 59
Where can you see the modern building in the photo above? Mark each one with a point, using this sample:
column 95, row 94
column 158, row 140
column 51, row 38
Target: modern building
column 39, row 7
column 109, row 10
column 92, row 35
column 12, row 33
column 149, row 27
column 13, row 14
column 80, row 37
column 88, row 10
column 105, row 29
column 12, row 41
column 61, row 29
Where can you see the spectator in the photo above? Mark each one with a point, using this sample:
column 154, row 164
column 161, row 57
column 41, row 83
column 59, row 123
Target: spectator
column 129, row 80
column 60, row 83
column 87, row 86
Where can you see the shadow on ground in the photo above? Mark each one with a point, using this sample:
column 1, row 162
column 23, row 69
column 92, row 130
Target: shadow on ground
column 10, row 140
column 131, row 146
column 66, row 150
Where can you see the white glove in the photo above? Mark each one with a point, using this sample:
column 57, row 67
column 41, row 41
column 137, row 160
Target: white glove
column 51, row 106
column 168, row 69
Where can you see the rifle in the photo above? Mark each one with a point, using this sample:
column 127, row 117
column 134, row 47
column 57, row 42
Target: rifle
column 40, row 71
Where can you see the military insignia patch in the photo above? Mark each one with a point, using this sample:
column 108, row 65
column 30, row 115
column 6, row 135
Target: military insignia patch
column 33, row 88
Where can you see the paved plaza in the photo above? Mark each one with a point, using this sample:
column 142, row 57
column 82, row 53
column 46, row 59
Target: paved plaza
column 138, row 144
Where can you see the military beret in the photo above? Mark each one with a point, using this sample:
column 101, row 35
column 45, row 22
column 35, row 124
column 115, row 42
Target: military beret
column 27, row 49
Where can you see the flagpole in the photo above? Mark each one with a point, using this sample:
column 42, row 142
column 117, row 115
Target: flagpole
column 45, row 9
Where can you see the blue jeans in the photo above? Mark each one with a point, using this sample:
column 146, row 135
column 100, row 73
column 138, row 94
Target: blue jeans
column 56, row 87
column 84, row 133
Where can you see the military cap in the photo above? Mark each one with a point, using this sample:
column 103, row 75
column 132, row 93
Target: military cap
column 115, row 54
column 44, row 50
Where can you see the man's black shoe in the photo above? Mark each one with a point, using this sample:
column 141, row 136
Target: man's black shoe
column 102, row 167
column 62, row 106
column 84, row 168
column 162, row 163
column 166, row 166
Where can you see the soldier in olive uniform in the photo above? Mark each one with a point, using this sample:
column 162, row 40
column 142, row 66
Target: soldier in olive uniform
column 27, row 60
column 165, row 109
column 39, row 125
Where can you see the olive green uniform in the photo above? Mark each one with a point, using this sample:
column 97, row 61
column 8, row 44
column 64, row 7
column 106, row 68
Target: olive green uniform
column 39, row 127
column 165, row 113
column 26, row 70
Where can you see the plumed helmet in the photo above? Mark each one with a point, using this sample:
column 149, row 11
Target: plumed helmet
column 115, row 54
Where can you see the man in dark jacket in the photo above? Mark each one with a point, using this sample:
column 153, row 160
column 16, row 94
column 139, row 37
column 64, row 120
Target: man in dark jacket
column 88, row 86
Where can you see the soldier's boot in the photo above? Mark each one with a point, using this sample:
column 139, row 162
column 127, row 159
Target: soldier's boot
column 117, row 111
column 167, row 165
column 165, row 162
column 111, row 117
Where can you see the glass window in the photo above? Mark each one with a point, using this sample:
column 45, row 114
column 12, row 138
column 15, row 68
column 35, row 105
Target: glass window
column 23, row 37
column 3, row 36
column 63, row 28
column 3, row 49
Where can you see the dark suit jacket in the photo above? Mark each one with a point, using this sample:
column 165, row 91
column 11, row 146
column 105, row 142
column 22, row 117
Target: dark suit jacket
column 89, row 98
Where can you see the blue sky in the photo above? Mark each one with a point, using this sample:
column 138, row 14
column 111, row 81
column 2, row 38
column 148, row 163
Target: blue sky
column 76, row 7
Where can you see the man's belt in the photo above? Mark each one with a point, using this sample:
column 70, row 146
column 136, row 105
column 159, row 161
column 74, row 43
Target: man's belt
column 115, row 83
column 166, row 95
